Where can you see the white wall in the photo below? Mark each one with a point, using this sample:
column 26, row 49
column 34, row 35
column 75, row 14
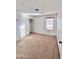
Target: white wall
column 25, row 21
column 39, row 25
column 59, row 29
column 59, row 22
column 17, row 30
column 22, row 26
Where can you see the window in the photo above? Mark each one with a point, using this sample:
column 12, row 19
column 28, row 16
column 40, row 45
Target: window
column 49, row 23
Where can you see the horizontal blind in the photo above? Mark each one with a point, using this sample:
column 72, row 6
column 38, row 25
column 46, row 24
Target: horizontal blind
column 49, row 23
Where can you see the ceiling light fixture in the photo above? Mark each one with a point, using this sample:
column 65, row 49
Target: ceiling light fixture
column 36, row 9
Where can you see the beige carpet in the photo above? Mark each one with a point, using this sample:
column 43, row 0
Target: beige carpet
column 37, row 46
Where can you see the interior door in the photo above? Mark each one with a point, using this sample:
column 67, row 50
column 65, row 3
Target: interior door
column 25, row 25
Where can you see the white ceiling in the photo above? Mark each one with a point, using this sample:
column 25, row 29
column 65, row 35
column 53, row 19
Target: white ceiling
column 28, row 6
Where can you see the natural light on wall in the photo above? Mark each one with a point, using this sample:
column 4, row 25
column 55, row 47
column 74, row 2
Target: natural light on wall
column 49, row 23
column 22, row 31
